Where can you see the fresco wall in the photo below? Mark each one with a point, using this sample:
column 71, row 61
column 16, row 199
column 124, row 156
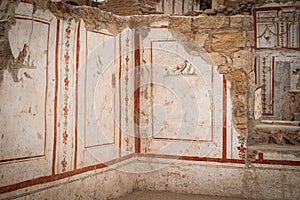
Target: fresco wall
column 62, row 107
column 116, row 106
column 277, row 63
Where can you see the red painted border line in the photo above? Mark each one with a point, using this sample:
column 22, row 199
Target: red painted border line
column 221, row 160
column 224, row 145
column 181, row 139
column 277, row 48
column 46, row 179
column 278, row 162
column 278, row 8
column 47, row 88
column 99, row 145
column 255, row 28
column 137, row 69
column 33, row 19
column 273, row 82
column 76, row 95
column 173, row 7
column 120, row 95
column 86, row 67
column 102, row 33
column 56, row 96
column 160, row 27
column 298, row 30
column 193, row 158
column 46, row 98
column 22, row 158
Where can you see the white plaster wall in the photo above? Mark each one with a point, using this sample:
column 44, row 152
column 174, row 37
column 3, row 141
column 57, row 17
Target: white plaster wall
column 106, row 183
column 99, row 95
column 219, row 179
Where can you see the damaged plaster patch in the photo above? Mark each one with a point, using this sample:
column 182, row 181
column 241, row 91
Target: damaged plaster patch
column 7, row 19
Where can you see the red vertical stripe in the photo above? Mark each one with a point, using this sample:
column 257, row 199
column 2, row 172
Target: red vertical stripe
column 137, row 63
column 224, row 148
column 173, row 7
column 76, row 94
column 56, row 96
column 120, row 97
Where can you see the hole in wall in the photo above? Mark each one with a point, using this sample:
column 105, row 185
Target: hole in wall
column 73, row 3
column 205, row 4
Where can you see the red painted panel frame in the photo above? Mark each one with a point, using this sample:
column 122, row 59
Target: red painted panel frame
column 97, row 145
column 152, row 126
column 274, row 9
column 21, row 17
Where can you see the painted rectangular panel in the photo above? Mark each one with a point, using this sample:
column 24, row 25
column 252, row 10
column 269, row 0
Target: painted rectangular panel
column 181, row 96
column 282, row 82
column 182, row 105
column 27, row 97
column 23, row 92
column 100, row 90
column 98, row 99
column 277, row 28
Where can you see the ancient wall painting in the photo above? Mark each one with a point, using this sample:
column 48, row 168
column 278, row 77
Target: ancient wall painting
column 181, row 95
column 183, row 68
column 277, row 28
column 98, row 99
column 24, row 114
column 26, row 103
column 277, row 56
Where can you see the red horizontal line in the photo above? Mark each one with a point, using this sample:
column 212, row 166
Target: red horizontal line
column 196, row 158
column 185, row 140
column 163, row 41
column 99, row 145
column 34, row 19
column 51, row 178
column 275, row 8
column 22, row 158
column 278, row 162
column 46, row 179
column 193, row 158
column 275, row 49
column 162, row 26
column 102, row 33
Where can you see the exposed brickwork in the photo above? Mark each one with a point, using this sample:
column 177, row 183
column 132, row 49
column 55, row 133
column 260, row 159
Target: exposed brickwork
column 124, row 7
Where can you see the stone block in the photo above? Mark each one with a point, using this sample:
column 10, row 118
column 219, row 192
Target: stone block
column 181, row 24
column 211, row 22
column 242, row 21
column 243, row 59
column 227, row 40
column 201, row 38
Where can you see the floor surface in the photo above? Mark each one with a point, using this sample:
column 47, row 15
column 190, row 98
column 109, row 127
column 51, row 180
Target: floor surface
column 160, row 195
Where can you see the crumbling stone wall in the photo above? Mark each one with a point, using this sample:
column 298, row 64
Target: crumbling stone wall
column 229, row 7
column 125, row 7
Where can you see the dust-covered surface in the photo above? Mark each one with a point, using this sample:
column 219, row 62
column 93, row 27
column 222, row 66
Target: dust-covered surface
column 154, row 195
